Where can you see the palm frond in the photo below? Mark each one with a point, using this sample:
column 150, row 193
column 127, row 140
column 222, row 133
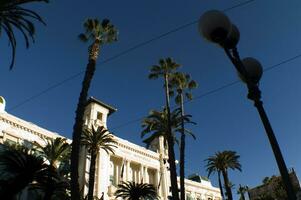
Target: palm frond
column 98, row 138
column 104, row 32
column 13, row 16
column 136, row 191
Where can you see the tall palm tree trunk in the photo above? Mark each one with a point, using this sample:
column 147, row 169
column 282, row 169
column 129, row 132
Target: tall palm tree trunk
column 220, row 184
column 170, row 142
column 92, row 175
column 182, row 152
column 227, row 185
column 78, row 126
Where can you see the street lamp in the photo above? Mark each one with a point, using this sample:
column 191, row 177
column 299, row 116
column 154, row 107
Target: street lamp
column 216, row 27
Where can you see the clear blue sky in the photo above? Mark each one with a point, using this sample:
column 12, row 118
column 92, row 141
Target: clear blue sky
column 270, row 32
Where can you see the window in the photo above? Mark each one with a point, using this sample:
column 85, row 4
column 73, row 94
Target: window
column 99, row 116
column 112, row 180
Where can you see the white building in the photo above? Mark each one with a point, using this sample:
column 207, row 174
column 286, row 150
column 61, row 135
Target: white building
column 130, row 162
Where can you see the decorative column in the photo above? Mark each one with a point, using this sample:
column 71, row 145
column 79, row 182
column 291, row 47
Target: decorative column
column 146, row 177
column 127, row 169
column 159, row 182
column 141, row 173
column 135, row 173
column 115, row 173
column 122, row 170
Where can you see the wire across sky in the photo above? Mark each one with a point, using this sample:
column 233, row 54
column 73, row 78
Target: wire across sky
column 142, row 44
column 122, row 53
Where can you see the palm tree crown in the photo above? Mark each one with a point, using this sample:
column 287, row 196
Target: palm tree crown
column 165, row 67
column 98, row 138
column 98, row 33
column 136, row 191
column 14, row 16
column 105, row 32
column 221, row 162
column 55, row 150
column 156, row 123
column 182, row 84
column 19, row 168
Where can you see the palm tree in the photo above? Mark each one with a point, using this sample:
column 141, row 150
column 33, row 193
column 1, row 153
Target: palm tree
column 220, row 163
column 241, row 191
column 156, row 124
column 100, row 34
column 52, row 185
column 54, row 151
column 136, row 191
column 19, row 168
column 56, row 180
column 182, row 84
column 165, row 68
column 94, row 140
column 14, row 16
column 214, row 164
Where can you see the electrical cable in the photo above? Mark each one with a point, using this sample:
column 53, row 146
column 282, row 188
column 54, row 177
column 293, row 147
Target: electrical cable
column 122, row 53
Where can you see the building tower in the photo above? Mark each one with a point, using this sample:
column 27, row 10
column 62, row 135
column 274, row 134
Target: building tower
column 160, row 146
column 96, row 114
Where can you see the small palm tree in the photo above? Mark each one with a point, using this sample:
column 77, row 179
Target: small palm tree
column 165, row 68
column 136, row 191
column 14, row 16
column 182, row 84
column 221, row 162
column 214, row 164
column 156, row 124
column 54, row 151
column 19, row 169
column 241, row 191
column 99, row 33
column 94, row 140
column 52, row 185
column 56, row 181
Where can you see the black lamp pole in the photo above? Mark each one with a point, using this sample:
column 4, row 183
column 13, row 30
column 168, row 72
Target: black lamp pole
column 216, row 27
column 255, row 95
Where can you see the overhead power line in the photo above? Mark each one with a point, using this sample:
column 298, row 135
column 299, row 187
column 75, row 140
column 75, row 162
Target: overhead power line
column 122, row 53
column 214, row 90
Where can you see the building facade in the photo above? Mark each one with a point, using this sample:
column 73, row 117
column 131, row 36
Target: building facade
column 130, row 162
column 273, row 185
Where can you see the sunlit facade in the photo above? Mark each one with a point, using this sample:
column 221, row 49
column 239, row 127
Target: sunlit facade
column 130, row 162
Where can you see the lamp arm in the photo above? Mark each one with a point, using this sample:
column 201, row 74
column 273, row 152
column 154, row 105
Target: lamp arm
column 233, row 55
column 254, row 92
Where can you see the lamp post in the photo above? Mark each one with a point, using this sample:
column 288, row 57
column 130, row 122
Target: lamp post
column 216, row 27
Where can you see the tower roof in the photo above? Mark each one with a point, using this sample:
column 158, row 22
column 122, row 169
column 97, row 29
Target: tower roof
column 94, row 100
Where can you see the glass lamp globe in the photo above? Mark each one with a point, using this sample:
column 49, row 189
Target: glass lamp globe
column 215, row 26
column 253, row 69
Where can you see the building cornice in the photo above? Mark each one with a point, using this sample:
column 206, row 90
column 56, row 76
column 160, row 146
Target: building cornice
column 27, row 126
column 137, row 149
